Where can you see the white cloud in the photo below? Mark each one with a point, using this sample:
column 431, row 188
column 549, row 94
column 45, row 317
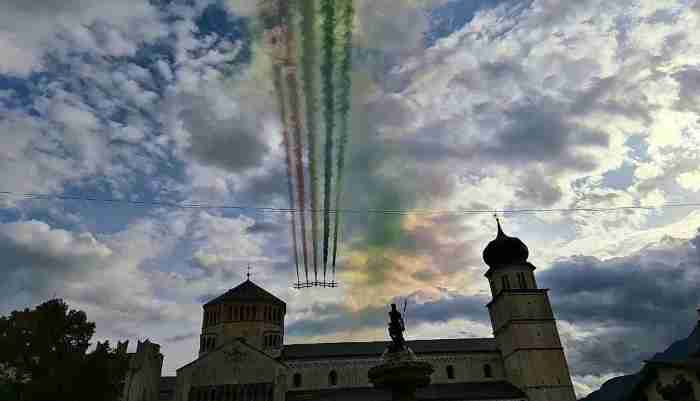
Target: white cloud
column 690, row 180
column 33, row 28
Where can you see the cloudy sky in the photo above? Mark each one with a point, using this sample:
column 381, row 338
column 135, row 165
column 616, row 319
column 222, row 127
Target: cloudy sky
column 456, row 104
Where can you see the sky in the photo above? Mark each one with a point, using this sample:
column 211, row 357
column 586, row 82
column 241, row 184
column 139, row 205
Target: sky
column 456, row 104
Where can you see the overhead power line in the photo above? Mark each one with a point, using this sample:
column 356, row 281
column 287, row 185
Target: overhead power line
column 257, row 209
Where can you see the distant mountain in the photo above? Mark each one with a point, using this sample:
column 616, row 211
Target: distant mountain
column 615, row 388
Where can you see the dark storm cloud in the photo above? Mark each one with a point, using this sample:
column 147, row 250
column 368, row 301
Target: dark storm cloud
column 329, row 319
column 233, row 144
column 47, row 257
column 689, row 81
column 642, row 303
column 536, row 187
column 534, row 133
column 181, row 337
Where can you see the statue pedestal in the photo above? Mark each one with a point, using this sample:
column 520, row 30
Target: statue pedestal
column 401, row 373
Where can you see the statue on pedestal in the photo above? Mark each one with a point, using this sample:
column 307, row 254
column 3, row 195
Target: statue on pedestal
column 396, row 329
column 400, row 371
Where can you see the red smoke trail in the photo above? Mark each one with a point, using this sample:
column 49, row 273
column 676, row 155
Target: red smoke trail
column 308, row 62
column 288, row 158
column 293, row 96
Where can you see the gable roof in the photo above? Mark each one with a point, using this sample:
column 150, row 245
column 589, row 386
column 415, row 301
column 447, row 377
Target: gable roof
column 247, row 291
column 376, row 348
column 235, row 340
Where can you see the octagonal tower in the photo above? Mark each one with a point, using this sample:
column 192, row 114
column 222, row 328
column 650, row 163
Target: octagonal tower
column 247, row 312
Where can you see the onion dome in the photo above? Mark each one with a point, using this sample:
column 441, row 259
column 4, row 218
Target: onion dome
column 505, row 250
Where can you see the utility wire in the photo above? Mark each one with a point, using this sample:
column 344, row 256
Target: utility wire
column 197, row 205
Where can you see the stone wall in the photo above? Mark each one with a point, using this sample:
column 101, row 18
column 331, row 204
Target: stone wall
column 352, row 372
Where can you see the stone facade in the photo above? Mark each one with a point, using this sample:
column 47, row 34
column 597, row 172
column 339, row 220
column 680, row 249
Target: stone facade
column 142, row 380
column 242, row 355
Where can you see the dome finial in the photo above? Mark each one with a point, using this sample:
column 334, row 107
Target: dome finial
column 498, row 223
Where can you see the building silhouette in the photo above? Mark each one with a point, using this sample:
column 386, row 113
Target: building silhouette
column 242, row 355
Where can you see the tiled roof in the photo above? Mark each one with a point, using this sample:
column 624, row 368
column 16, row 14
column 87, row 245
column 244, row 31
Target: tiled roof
column 248, row 292
column 497, row 390
column 376, row 348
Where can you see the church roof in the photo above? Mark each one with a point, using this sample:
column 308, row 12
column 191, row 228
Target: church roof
column 375, row 348
column 493, row 390
column 247, row 291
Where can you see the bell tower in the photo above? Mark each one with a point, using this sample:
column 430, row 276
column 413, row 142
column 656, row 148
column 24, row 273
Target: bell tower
column 523, row 323
column 246, row 312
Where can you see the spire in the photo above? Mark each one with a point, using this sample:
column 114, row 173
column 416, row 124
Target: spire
column 248, row 274
column 498, row 223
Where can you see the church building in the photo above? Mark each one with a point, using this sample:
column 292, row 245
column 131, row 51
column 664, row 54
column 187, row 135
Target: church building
column 242, row 355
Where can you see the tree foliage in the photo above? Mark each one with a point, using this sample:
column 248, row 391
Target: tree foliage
column 43, row 357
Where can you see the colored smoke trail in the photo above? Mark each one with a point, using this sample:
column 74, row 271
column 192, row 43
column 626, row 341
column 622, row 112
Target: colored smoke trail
column 344, row 109
column 328, row 28
column 308, row 62
column 293, row 96
column 288, row 158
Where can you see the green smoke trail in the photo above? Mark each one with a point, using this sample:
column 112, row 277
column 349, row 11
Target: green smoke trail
column 287, row 151
column 344, row 109
column 293, row 96
column 308, row 61
column 328, row 28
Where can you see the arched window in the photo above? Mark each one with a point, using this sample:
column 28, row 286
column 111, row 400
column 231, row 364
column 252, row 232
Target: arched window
column 297, row 380
column 213, row 342
column 254, row 310
column 487, row 371
column 333, row 378
column 450, row 372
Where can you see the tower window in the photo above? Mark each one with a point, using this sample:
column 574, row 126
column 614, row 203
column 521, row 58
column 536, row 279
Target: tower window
column 253, row 317
column 450, row 372
column 333, row 378
column 487, row 371
column 505, row 282
column 297, row 380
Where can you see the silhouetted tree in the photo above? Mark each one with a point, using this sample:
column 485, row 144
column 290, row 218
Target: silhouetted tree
column 43, row 357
